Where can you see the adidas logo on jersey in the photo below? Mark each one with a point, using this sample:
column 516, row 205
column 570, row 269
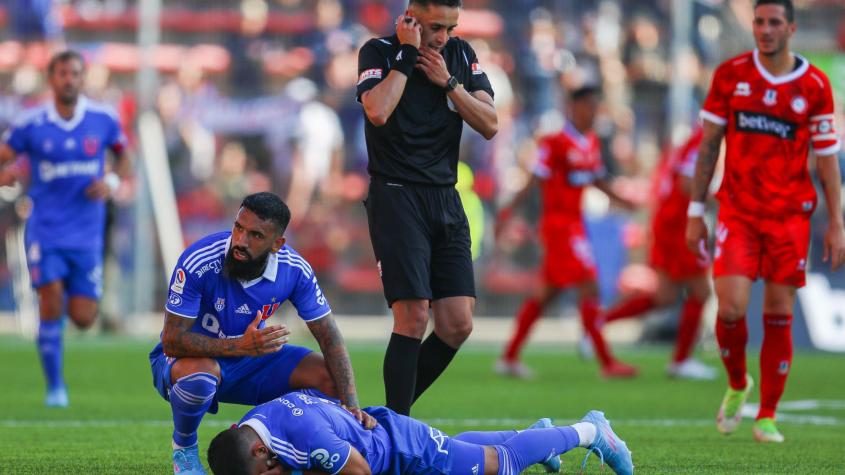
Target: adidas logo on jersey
column 243, row 310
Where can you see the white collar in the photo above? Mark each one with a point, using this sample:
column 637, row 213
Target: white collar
column 576, row 135
column 270, row 270
column 794, row 74
column 78, row 114
column 261, row 430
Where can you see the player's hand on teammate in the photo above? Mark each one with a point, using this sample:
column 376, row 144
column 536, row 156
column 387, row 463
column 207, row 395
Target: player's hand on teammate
column 434, row 66
column 262, row 341
column 409, row 31
column 369, row 422
column 696, row 236
column 834, row 245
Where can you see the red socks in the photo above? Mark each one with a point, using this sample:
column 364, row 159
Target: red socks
column 630, row 308
column 687, row 329
column 525, row 319
column 732, row 337
column 589, row 308
column 775, row 361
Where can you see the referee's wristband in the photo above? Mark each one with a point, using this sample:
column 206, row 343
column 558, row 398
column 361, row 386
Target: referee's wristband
column 112, row 181
column 407, row 60
column 696, row 209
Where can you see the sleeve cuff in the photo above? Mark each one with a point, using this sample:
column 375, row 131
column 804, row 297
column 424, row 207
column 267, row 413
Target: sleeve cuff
column 314, row 319
column 711, row 117
column 828, row 150
column 192, row 317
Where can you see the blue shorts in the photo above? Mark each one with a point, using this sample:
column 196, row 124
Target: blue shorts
column 80, row 270
column 420, row 449
column 249, row 380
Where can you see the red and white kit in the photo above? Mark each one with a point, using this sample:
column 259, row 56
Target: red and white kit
column 568, row 162
column 766, row 195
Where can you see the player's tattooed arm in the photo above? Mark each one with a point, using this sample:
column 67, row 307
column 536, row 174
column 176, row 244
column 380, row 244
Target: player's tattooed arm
column 179, row 341
column 708, row 156
column 334, row 350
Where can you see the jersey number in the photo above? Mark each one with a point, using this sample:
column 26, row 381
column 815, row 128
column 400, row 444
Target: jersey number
column 210, row 323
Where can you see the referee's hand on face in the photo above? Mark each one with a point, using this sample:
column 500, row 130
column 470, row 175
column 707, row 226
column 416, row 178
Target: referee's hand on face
column 409, row 31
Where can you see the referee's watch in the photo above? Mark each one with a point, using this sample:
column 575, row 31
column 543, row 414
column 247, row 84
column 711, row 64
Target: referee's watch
column 452, row 83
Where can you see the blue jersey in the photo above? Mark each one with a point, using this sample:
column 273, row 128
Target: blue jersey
column 310, row 433
column 66, row 156
column 222, row 307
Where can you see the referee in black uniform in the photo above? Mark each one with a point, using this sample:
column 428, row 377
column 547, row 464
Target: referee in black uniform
column 417, row 88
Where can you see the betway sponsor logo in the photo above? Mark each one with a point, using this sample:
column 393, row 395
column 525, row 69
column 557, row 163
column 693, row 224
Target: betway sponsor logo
column 764, row 124
column 50, row 171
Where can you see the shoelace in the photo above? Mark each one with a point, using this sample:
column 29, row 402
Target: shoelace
column 590, row 451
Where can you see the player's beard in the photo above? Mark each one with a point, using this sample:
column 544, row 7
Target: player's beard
column 246, row 270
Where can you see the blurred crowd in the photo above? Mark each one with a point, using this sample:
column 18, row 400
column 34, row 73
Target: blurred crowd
column 259, row 95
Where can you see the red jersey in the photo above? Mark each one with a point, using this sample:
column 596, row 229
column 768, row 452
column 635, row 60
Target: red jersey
column 771, row 124
column 672, row 200
column 567, row 162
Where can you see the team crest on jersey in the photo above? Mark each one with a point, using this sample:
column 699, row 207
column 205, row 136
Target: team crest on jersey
column 268, row 310
column 175, row 300
column 742, row 89
column 220, row 304
column 178, row 281
column 770, row 98
column 90, row 145
column 799, row 104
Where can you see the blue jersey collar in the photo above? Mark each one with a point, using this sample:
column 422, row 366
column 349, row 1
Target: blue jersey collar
column 78, row 114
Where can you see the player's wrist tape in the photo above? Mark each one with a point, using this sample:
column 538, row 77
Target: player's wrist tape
column 407, row 60
column 112, row 181
column 696, row 209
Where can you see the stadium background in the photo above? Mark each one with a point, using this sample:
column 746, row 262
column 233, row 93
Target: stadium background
column 225, row 98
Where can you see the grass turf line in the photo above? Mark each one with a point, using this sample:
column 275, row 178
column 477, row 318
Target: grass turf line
column 117, row 423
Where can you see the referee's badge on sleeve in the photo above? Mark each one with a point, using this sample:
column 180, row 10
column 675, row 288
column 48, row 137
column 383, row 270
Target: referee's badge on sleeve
column 369, row 74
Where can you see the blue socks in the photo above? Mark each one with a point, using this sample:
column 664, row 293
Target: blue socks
column 50, row 351
column 485, row 437
column 534, row 446
column 190, row 398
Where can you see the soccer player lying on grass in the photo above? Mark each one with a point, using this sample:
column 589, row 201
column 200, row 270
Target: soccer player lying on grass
column 299, row 433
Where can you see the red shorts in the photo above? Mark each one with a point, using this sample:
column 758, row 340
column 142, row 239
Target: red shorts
column 569, row 256
column 772, row 248
column 669, row 253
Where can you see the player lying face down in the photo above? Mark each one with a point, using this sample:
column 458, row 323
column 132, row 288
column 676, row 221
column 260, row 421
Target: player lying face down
column 303, row 433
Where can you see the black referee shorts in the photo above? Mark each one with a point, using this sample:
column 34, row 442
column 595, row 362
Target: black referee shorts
column 421, row 240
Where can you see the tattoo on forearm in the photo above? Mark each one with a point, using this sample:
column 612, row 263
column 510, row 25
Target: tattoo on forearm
column 708, row 156
column 182, row 342
column 331, row 343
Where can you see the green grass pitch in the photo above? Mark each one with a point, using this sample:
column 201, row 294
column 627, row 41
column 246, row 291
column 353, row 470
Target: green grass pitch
column 118, row 424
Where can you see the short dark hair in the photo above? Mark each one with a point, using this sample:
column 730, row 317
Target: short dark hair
column 445, row 3
column 268, row 207
column 584, row 92
column 63, row 57
column 229, row 453
column 786, row 4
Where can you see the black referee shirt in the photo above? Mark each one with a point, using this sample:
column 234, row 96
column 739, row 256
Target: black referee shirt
column 419, row 143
